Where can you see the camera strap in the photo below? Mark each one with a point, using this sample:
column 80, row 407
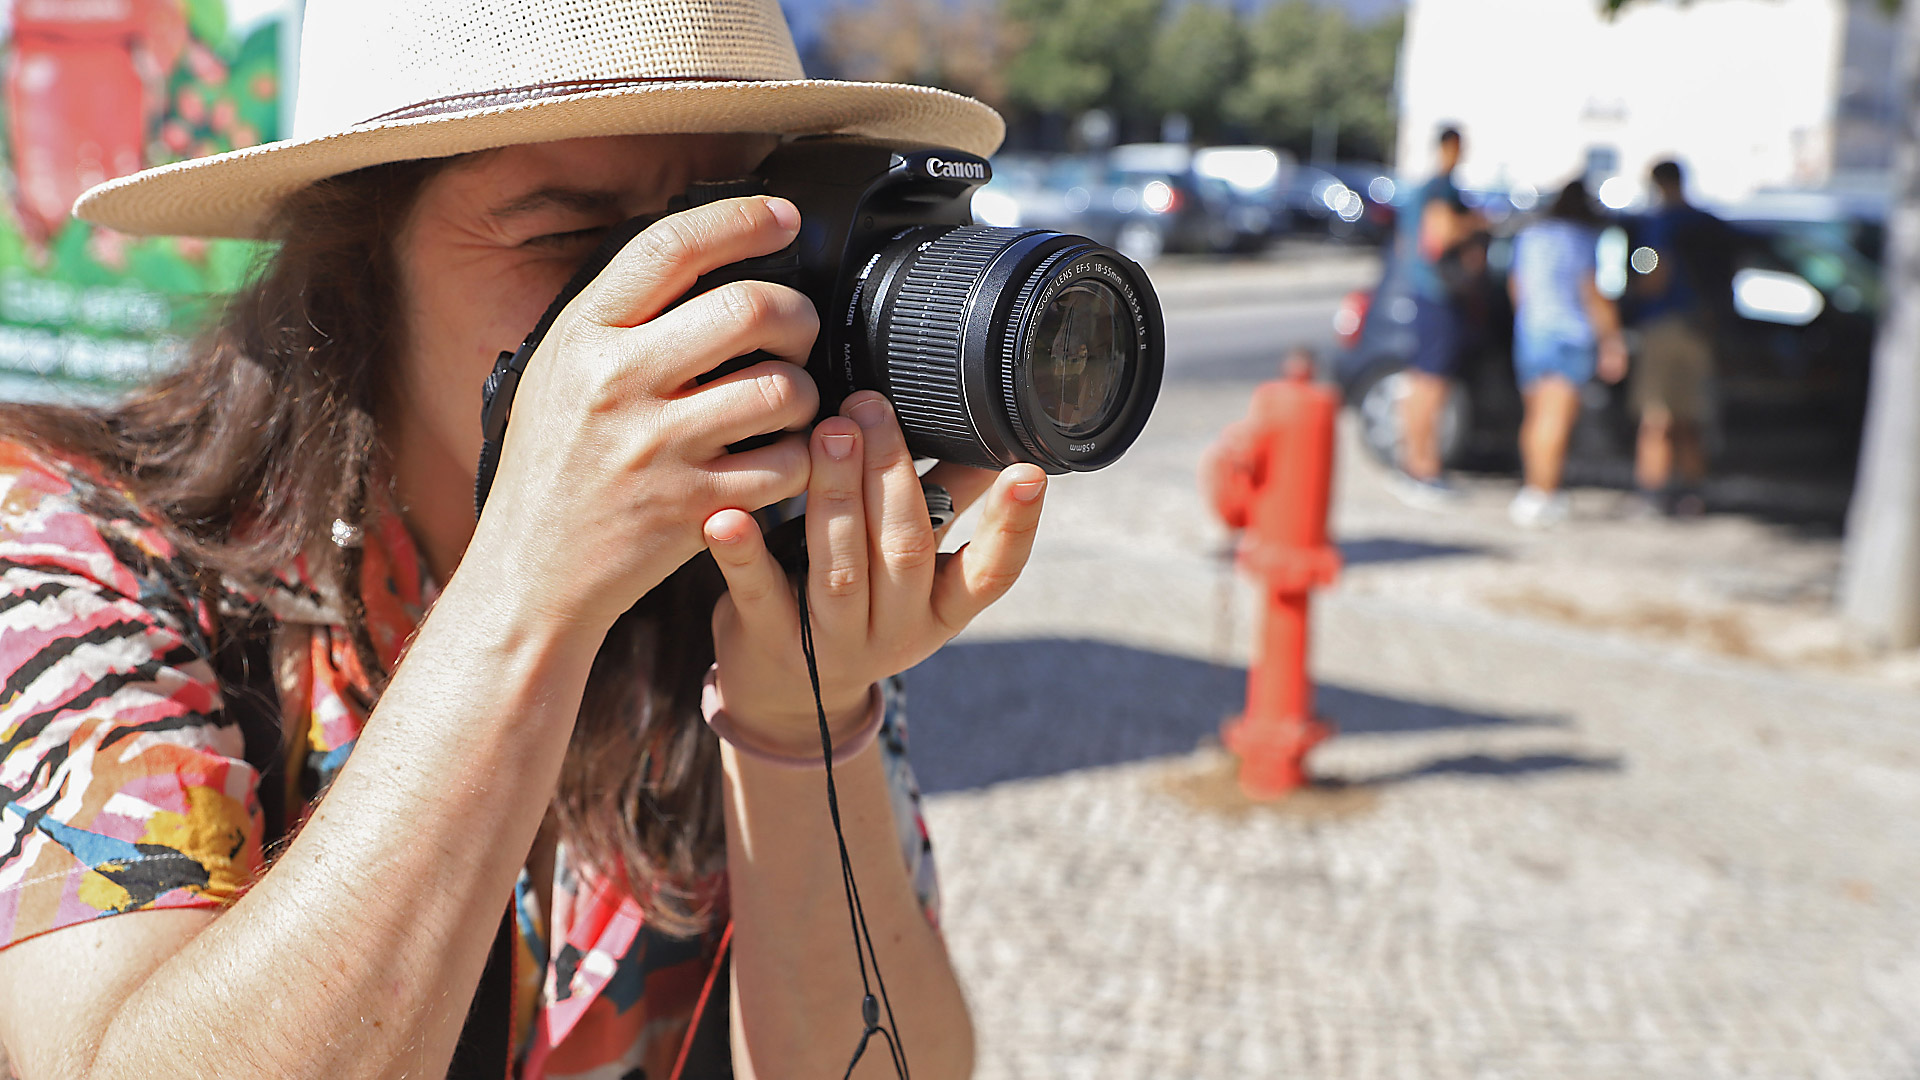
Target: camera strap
column 856, row 913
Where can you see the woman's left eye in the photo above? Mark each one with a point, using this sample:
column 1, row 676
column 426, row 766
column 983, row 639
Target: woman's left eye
column 570, row 238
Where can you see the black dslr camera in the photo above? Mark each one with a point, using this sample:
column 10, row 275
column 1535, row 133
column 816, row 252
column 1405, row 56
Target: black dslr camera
column 994, row 345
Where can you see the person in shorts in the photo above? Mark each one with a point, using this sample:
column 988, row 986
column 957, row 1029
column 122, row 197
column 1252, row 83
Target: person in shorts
column 1434, row 226
column 1677, row 302
column 1564, row 330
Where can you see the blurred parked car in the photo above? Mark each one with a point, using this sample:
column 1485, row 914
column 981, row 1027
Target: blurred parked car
column 1143, row 200
column 1081, row 195
column 1792, row 362
column 1346, row 201
column 1312, row 199
column 1855, row 219
column 1375, row 188
column 1220, row 201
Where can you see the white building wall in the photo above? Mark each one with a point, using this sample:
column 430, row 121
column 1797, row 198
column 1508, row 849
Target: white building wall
column 1742, row 92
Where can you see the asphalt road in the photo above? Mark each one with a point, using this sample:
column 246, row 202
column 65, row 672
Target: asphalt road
column 1231, row 322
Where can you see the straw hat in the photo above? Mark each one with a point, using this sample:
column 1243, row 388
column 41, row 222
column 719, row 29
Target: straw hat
column 392, row 80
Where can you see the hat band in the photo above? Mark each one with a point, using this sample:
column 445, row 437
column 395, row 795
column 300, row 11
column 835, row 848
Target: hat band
column 513, row 95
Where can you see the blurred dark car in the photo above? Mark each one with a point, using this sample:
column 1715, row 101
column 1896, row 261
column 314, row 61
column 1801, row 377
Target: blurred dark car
column 1311, row 199
column 1202, row 214
column 1792, row 361
column 1139, row 210
column 1376, row 189
column 1081, row 195
column 1207, row 211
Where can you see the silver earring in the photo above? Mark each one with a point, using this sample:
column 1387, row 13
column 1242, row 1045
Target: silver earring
column 345, row 535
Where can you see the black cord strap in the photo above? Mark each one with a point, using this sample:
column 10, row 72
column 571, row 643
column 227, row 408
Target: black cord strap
column 856, row 913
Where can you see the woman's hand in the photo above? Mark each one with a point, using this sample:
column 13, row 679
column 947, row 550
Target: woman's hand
column 881, row 597
column 614, row 456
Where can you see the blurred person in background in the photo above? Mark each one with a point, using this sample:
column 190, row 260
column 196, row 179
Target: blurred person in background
column 1564, row 332
column 1676, row 305
column 1435, row 226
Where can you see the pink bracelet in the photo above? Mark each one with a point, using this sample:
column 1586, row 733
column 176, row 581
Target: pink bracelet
column 715, row 712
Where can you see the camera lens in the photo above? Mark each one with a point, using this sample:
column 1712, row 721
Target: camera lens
column 1001, row 345
column 1081, row 356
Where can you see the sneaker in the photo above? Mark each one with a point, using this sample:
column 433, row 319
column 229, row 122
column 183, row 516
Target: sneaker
column 1686, row 503
column 1671, row 503
column 1434, row 494
column 1536, row 509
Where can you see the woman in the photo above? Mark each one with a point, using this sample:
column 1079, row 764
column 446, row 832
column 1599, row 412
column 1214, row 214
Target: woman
column 293, row 509
column 1564, row 331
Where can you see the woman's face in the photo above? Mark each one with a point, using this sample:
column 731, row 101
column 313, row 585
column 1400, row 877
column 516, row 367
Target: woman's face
column 490, row 240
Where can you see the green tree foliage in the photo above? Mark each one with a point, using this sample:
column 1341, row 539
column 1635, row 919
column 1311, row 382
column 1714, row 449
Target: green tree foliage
column 1268, row 75
column 1074, row 55
column 959, row 47
column 1310, row 64
column 1196, row 59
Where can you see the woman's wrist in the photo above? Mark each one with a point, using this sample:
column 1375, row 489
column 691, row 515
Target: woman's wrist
column 502, row 621
column 792, row 743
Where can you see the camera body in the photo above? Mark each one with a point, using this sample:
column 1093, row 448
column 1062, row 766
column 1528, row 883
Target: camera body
column 995, row 345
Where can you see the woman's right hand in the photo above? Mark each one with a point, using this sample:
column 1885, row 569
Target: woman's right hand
column 614, row 456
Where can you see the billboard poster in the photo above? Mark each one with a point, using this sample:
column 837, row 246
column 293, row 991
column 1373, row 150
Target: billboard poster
column 96, row 89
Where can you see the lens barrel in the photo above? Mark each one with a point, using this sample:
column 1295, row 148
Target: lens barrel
column 1000, row 345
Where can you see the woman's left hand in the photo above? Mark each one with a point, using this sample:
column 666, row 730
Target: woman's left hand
column 881, row 597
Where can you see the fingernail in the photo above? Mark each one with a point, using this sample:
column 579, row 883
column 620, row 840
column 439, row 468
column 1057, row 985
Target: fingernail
column 838, row 446
column 869, row 413
column 785, row 213
column 1028, row 490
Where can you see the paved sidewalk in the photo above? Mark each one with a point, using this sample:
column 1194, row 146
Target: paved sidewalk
column 1603, row 863
column 1557, row 847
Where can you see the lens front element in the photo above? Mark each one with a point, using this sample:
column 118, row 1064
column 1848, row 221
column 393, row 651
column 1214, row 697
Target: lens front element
column 999, row 345
column 1082, row 351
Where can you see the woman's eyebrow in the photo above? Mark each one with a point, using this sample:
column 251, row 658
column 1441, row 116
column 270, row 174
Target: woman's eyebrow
column 581, row 199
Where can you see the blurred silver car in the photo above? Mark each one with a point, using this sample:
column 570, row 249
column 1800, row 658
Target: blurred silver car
column 1142, row 199
column 1078, row 194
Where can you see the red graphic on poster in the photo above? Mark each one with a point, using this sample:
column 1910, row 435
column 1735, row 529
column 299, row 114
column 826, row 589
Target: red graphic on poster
column 88, row 79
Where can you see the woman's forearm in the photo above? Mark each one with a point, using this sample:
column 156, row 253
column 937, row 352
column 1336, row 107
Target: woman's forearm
column 796, row 982
column 357, row 956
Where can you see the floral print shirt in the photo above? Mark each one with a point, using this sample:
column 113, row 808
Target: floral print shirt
column 127, row 785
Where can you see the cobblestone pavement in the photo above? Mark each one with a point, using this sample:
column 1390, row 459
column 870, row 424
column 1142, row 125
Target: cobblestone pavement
column 1602, row 864
column 1554, row 846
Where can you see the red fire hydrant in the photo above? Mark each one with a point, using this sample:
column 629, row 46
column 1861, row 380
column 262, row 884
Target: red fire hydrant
column 1271, row 476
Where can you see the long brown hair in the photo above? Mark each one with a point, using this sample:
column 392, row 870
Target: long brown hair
column 269, row 422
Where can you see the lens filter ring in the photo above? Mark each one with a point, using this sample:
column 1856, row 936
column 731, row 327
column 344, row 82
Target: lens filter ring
column 1081, row 358
column 999, row 345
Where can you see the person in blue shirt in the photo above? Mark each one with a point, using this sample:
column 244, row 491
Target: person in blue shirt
column 1430, row 232
column 1564, row 333
column 1677, row 303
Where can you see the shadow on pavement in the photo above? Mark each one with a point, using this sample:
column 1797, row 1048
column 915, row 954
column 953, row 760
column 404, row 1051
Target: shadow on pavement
column 987, row 712
column 1392, row 549
column 1490, row 765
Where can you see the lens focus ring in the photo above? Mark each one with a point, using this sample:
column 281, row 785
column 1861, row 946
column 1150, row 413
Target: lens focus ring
column 925, row 326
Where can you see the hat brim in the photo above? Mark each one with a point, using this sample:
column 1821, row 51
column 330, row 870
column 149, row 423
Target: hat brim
column 235, row 194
